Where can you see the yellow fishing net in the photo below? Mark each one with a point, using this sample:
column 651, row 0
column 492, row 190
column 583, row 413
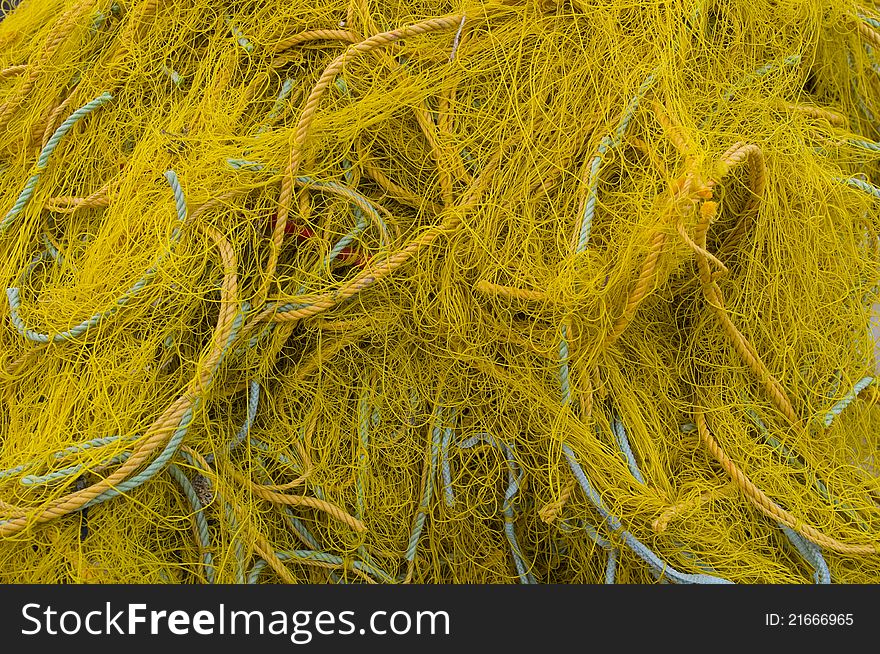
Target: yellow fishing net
column 375, row 291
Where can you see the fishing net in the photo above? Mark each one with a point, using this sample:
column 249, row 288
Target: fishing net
column 373, row 291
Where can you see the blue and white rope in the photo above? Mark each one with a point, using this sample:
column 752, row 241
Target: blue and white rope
column 307, row 555
column 428, row 492
column 642, row 551
column 73, row 449
column 514, row 478
column 619, row 432
column 654, row 562
column 445, row 465
column 846, row 400
column 363, row 451
column 609, row 142
column 13, row 294
column 201, row 522
column 43, row 160
column 811, row 553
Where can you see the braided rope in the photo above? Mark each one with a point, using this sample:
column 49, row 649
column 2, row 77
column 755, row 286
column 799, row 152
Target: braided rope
column 660, row 524
column 97, row 200
column 609, row 142
column 315, row 35
column 745, row 349
column 811, row 553
column 660, row 567
column 737, row 154
column 43, row 160
column 445, row 465
column 646, row 554
column 768, row 506
column 642, row 287
column 308, row 113
column 270, row 495
column 859, row 184
column 13, row 294
column 427, row 491
column 514, row 479
column 204, row 534
column 392, row 188
column 846, row 400
column 164, row 430
column 375, row 271
column 12, row 71
column 52, row 119
column 619, row 432
column 509, row 292
column 315, row 558
column 550, row 512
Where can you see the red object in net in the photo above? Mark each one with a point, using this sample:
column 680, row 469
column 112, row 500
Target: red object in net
column 302, row 234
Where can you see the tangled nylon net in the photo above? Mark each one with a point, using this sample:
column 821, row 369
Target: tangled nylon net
column 375, row 291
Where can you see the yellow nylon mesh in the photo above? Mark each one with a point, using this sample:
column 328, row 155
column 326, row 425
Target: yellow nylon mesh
column 394, row 252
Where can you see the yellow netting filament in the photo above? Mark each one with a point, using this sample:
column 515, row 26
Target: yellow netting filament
column 374, row 291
